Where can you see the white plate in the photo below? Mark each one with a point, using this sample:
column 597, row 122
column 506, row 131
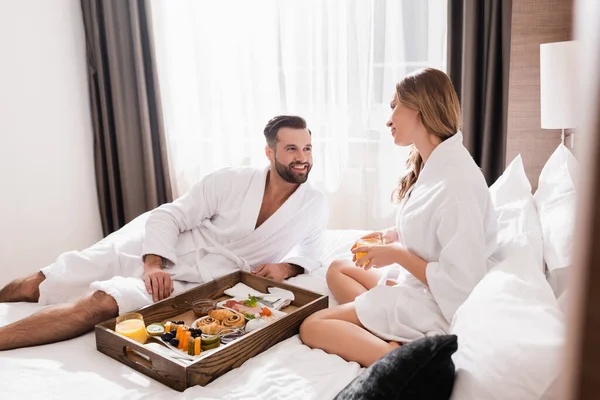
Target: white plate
column 184, row 354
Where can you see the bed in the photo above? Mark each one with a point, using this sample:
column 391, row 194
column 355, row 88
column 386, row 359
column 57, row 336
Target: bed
column 510, row 330
column 75, row 369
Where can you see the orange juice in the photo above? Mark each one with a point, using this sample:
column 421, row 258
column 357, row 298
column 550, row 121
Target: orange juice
column 133, row 327
column 367, row 242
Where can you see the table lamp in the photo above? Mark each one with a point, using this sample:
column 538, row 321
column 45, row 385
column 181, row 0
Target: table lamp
column 558, row 86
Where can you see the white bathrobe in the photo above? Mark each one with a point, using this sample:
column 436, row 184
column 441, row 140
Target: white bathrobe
column 205, row 234
column 448, row 220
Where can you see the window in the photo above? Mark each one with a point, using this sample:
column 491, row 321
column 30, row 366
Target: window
column 227, row 67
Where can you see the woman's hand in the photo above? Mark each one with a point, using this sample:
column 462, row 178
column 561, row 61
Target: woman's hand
column 387, row 236
column 383, row 255
column 377, row 256
column 390, row 235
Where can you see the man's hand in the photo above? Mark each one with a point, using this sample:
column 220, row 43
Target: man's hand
column 158, row 282
column 278, row 272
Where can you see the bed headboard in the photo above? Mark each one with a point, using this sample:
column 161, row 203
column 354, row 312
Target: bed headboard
column 535, row 149
column 533, row 22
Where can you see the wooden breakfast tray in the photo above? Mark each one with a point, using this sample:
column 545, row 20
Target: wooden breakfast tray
column 180, row 375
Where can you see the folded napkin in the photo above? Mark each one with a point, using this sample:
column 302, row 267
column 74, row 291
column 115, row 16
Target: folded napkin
column 277, row 298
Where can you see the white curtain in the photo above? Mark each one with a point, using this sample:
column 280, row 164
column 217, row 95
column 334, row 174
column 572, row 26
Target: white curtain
column 227, row 66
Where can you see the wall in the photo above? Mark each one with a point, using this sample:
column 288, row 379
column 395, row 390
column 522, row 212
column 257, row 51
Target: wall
column 48, row 201
column 533, row 22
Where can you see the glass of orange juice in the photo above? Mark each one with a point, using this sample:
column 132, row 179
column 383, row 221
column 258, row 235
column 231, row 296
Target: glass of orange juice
column 367, row 242
column 132, row 325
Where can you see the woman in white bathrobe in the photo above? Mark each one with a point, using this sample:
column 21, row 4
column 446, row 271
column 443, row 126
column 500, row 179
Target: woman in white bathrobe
column 442, row 245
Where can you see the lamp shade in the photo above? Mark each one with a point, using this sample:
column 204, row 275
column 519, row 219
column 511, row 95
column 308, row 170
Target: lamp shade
column 558, row 85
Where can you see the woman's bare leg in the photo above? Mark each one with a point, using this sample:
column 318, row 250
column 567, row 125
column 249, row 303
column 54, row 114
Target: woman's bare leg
column 346, row 281
column 338, row 331
column 23, row 289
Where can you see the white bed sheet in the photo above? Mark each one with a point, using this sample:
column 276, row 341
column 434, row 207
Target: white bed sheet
column 75, row 369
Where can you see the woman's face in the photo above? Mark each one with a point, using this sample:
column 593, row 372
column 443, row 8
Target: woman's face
column 403, row 122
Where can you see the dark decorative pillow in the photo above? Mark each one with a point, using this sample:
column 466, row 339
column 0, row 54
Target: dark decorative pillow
column 422, row 369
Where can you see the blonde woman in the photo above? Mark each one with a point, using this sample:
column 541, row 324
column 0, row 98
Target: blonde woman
column 441, row 246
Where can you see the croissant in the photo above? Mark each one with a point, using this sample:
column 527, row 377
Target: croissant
column 234, row 320
column 220, row 314
column 211, row 329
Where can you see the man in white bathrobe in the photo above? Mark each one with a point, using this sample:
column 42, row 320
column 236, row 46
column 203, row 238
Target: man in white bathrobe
column 267, row 221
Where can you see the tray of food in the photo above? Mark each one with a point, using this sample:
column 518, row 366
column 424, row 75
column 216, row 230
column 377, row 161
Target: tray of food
column 194, row 338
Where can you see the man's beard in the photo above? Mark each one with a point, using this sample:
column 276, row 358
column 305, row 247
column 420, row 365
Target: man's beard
column 289, row 175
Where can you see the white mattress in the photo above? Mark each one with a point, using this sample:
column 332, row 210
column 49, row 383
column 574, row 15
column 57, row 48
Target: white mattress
column 75, row 369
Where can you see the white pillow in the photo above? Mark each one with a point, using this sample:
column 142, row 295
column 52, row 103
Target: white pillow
column 518, row 221
column 555, row 201
column 510, row 334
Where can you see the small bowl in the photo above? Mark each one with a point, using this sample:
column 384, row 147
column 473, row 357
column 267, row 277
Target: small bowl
column 203, row 306
column 230, row 334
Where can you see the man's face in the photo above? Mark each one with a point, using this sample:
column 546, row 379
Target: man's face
column 292, row 156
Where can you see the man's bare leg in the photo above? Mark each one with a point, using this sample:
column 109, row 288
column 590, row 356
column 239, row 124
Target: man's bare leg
column 60, row 322
column 23, row 289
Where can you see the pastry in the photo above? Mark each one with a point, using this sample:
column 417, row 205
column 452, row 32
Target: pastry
column 220, row 314
column 208, row 328
column 205, row 321
column 211, row 329
column 234, row 320
column 208, row 325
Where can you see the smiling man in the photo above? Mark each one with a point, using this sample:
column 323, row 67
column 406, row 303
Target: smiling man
column 267, row 221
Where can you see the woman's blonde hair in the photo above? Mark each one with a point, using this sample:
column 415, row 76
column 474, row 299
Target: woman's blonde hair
column 430, row 92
